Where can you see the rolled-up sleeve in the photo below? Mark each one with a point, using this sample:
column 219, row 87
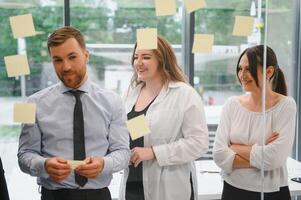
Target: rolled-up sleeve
column 276, row 153
column 118, row 153
column 194, row 143
column 222, row 154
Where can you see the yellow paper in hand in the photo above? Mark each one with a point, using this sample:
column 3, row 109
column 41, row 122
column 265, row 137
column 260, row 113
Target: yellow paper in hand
column 16, row 65
column 165, row 7
column 193, row 5
column 138, row 127
column 22, row 26
column 25, row 113
column 75, row 163
column 202, row 43
column 243, row 26
column 147, row 38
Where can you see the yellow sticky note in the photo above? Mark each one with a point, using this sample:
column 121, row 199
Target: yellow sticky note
column 25, row 113
column 147, row 38
column 202, row 43
column 193, row 5
column 165, row 7
column 16, row 65
column 138, row 127
column 75, row 163
column 243, row 26
column 22, row 26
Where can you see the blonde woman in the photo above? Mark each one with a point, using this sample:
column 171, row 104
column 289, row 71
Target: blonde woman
column 161, row 162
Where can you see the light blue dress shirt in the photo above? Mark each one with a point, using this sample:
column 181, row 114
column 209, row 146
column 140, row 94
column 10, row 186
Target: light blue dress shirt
column 52, row 135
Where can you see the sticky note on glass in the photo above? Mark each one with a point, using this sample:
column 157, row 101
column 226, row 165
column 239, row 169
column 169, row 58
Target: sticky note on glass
column 165, row 7
column 22, row 26
column 75, row 163
column 147, row 38
column 25, row 113
column 16, row 65
column 203, row 43
column 138, row 127
column 193, row 5
column 243, row 26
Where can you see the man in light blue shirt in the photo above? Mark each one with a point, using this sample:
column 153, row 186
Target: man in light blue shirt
column 46, row 146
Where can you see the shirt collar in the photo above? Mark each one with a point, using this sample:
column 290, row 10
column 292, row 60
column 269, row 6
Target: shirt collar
column 84, row 87
column 173, row 84
column 162, row 94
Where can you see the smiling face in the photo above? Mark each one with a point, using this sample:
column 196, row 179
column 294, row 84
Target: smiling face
column 244, row 74
column 249, row 70
column 246, row 78
column 69, row 61
column 146, row 65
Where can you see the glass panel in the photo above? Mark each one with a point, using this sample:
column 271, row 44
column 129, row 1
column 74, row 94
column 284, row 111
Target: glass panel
column 247, row 126
column 110, row 31
column 280, row 38
column 215, row 73
column 215, row 77
column 217, row 81
column 47, row 15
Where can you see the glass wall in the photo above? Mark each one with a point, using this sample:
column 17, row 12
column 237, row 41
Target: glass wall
column 110, row 31
column 47, row 15
column 215, row 73
column 280, row 37
column 110, row 28
column 281, row 33
column 216, row 81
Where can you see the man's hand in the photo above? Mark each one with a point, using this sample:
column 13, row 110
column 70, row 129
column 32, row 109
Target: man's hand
column 92, row 168
column 140, row 154
column 57, row 168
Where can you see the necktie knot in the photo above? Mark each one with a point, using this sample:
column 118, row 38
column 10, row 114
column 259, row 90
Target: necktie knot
column 76, row 93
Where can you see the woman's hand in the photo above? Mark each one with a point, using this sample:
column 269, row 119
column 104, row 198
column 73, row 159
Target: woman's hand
column 272, row 138
column 140, row 154
column 242, row 150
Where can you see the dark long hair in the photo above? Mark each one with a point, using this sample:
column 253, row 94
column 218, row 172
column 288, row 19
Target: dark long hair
column 255, row 58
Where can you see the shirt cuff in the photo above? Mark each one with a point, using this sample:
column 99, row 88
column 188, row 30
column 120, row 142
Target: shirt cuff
column 108, row 165
column 38, row 168
column 253, row 156
column 228, row 165
column 161, row 154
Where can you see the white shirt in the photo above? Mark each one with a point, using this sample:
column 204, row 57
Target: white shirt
column 179, row 135
column 241, row 126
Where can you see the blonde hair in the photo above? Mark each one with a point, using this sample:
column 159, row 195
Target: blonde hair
column 168, row 66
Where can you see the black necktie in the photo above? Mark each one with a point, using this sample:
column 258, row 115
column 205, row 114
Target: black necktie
column 78, row 135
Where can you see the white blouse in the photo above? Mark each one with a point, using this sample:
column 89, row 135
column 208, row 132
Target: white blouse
column 241, row 126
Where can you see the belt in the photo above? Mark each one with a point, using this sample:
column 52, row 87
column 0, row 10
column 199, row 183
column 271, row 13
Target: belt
column 75, row 194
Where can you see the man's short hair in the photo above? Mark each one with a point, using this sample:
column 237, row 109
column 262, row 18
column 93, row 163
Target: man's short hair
column 60, row 35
